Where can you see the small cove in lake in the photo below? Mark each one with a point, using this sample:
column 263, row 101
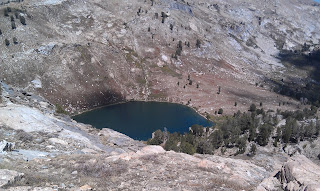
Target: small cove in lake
column 139, row 119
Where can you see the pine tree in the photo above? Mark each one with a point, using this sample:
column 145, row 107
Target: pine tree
column 22, row 20
column 6, row 13
column 13, row 25
column 198, row 43
column 16, row 14
column 253, row 150
column 158, row 138
column 253, row 108
column 171, row 26
column 7, row 42
column 15, row 41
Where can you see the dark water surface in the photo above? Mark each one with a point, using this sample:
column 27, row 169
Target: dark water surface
column 139, row 119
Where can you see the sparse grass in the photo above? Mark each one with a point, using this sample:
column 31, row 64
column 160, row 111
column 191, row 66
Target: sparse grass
column 5, row 165
column 156, row 94
column 85, row 54
column 131, row 56
column 151, row 158
column 224, row 182
column 30, row 177
column 218, row 119
column 92, row 170
column 169, row 71
column 141, row 80
column 60, row 109
column 211, row 170
column 36, row 179
column 24, row 136
column 251, row 42
column 97, row 167
column 304, row 146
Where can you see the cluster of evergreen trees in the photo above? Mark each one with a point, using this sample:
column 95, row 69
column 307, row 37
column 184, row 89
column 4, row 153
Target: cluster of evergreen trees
column 15, row 15
column 254, row 127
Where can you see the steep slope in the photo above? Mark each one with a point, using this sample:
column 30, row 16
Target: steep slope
column 82, row 54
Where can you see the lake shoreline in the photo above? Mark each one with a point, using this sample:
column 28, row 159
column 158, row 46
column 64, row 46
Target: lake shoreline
column 146, row 101
column 144, row 117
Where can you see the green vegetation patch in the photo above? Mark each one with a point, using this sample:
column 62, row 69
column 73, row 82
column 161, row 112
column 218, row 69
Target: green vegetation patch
column 168, row 71
column 84, row 53
column 133, row 58
column 141, row 80
column 254, row 127
column 61, row 110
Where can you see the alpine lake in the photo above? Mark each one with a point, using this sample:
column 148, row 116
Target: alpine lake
column 139, row 120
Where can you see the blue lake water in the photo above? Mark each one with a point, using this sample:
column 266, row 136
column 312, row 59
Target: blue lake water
column 139, row 119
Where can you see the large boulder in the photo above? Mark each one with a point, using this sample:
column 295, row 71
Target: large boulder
column 300, row 174
column 115, row 137
column 150, row 149
column 269, row 184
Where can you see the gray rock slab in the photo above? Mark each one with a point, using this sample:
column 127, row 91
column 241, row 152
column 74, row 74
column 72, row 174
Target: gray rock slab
column 9, row 177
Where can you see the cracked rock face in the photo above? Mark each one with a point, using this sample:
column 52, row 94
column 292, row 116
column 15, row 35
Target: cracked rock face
column 8, row 177
column 300, row 173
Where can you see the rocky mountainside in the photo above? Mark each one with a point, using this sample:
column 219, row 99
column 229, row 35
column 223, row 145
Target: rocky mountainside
column 77, row 55
column 83, row 54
